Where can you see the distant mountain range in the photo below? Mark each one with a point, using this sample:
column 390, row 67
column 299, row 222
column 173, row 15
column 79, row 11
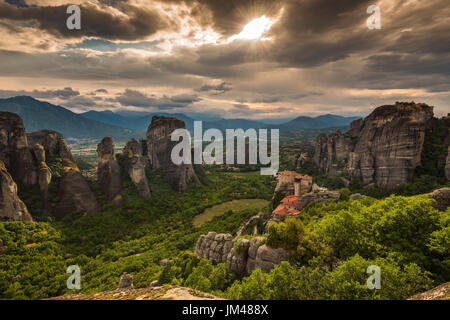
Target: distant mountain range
column 142, row 122
column 320, row 122
column 39, row 115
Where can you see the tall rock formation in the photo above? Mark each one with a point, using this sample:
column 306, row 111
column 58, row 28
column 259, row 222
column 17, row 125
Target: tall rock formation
column 44, row 174
column 136, row 163
column 73, row 190
column 384, row 147
column 159, row 147
column 11, row 207
column 108, row 172
column 14, row 151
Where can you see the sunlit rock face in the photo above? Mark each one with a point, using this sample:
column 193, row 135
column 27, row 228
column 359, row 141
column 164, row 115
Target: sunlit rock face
column 159, row 148
column 108, row 172
column 385, row 147
column 74, row 193
column 136, row 163
column 11, row 207
column 14, row 151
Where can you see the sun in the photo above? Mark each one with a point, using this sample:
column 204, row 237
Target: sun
column 255, row 29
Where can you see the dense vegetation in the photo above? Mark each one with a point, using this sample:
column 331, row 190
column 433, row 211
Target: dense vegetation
column 34, row 256
column 331, row 244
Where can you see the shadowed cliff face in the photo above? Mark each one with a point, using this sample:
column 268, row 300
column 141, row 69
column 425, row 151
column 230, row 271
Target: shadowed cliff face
column 74, row 191
column 11, row 207
column 159, row 148
column 136, row 164
column 108, row 171
column 14, row 151
column 385, row 147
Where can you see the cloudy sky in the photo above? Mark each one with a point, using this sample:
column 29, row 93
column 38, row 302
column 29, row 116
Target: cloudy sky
column 230, row 58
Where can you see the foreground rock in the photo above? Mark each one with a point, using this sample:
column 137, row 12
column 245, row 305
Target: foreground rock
column 442, row 197
column 241, row 256
column 441, row 292
column 14, row 150
column 136, row 163
column 11, row 207
column 108, row 172
column 385, row 147
column 159, row 148
column 155, row 293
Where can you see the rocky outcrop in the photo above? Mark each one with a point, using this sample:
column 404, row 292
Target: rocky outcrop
column 14, row 150
column 159, row 148
column 241, row 256
column 237, row 257
column 441, row 292
column 214, row 246
column 165, row 292
column 53, row 143
column 385, row 147
column 136, row 163
column 11, row 207
column 108, row 172
column 125, row 282
column 317, row 197
column 442, row 197
column 74, row 192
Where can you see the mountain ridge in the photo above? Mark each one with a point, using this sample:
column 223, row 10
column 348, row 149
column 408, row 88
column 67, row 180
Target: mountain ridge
column 38, row 115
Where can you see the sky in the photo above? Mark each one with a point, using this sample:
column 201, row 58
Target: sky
column 251, row 59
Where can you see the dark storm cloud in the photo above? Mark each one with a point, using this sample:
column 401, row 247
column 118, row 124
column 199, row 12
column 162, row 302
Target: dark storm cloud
column 96, row 21
column 65, row 93
column 216, row 89
column 138, row 99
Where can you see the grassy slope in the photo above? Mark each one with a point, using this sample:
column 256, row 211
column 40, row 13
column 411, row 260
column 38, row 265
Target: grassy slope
column 234, row 205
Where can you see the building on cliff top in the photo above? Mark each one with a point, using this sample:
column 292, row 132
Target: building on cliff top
column 293, row 183
column 287, row 206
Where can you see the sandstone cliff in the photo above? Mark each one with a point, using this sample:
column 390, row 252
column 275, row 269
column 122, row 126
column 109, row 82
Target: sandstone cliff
column 11, row 207
column 108, row 172
column 159, row 148
column 241, row 256
column 136, row 163
column 384, row 147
